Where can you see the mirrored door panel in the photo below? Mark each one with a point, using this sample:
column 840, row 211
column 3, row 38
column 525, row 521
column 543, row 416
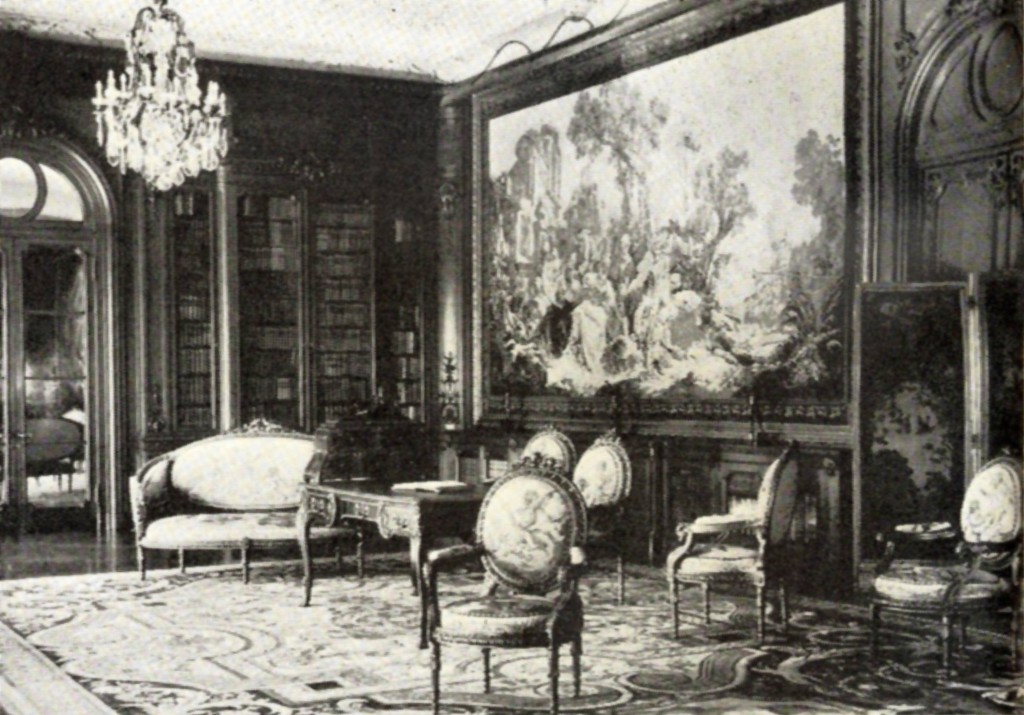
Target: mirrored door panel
column 55, row 335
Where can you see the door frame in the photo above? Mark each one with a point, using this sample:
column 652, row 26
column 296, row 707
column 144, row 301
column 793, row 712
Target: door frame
column 105, row 397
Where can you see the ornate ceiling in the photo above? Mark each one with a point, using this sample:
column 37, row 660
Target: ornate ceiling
column 446, row 40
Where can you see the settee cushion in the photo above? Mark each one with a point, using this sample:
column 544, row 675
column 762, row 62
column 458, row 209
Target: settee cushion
column 226, row 529
column 243, row 472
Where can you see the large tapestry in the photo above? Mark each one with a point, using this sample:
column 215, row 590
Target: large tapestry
column 678, row 231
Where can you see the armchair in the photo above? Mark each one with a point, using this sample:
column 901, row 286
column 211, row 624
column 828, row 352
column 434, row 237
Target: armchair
column 983, row 573
column 603, row 475
column 528, row 535
column 713, row 554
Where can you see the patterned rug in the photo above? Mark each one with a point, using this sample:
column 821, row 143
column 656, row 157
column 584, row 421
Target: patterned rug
column 204, row 643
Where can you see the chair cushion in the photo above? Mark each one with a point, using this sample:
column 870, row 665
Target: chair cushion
column 711, row 559
column 528, row 523
column 208, row 530
column 509, row 619
column 243, row 471
column 919, row 582
column 991, row 510
column 552, row 444
column 603, row 473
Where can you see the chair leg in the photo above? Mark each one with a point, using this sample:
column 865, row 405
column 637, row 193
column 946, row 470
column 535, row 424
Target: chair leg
column 705, row 592
column 876, row 620
column 947, row 644
column 784, row 605
column 487, row 669
column 140, row 557
column 553, row 675
column 673, row 593
column 622, row 577
column 963, row 634
column 760, row 614
column 246, row 545
column 181, row 560
column 577, row 653
column 435, row 676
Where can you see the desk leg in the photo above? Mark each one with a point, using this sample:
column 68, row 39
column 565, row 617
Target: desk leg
column 415, row 562
column 421, row 587
column 302, row 525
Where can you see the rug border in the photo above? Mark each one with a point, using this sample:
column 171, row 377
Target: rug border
column 32, row 684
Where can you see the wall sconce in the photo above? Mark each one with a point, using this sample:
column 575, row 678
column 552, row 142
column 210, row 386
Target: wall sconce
column 449, row 393
column 446, row 196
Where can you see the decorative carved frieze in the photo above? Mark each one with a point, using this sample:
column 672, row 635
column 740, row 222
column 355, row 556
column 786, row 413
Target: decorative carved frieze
column 396, row 521
column 906, row 51
column 960, row 8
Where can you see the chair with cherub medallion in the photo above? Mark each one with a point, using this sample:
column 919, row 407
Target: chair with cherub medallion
column 529, row 537
column 980, row 571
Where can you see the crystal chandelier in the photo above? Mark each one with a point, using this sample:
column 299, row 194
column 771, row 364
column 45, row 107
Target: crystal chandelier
column 154, row 118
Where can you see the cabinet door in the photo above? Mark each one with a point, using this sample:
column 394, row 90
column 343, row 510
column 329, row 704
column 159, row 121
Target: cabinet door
column 269, row 246
column 342, row 326
column 192, row 258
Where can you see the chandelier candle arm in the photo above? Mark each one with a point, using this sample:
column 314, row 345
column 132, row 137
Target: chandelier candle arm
column 154, row 118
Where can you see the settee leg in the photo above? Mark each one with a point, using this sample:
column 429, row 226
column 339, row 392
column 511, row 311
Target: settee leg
column 621, row 568
column 181, row 560
column 246, row 546
column 360, row 560
column 140, row 557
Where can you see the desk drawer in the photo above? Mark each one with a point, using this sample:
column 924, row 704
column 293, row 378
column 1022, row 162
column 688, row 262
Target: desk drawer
column 365, row 510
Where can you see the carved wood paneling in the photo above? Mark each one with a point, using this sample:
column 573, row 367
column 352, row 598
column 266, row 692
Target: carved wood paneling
column 958, row 131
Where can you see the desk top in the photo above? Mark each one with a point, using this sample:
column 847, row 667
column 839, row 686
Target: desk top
column 382, row 491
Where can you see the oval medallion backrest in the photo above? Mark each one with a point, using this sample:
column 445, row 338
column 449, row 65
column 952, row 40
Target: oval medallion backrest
column 528, row 523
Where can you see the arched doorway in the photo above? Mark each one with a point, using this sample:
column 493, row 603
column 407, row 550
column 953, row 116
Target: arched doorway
column 56, row 365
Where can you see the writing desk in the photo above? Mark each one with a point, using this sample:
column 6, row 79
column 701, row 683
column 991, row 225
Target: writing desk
column 419, row 516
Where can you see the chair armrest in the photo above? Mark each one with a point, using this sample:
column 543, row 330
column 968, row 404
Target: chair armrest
column 568, row 584
column 723, row 524
column 676, row 555
column 437, row 561
column 572, row 571
column 919, row 537
column 441, row 559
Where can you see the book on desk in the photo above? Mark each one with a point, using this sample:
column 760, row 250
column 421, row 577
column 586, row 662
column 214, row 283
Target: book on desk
column 433, row 487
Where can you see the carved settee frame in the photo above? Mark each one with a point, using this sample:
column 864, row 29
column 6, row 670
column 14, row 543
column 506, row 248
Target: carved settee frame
column 238, row 490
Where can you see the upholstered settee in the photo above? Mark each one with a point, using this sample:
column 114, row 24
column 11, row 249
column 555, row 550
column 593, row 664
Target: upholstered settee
column 233, row 491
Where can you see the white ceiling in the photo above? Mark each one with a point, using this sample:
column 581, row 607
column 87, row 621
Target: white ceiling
column 447, row 40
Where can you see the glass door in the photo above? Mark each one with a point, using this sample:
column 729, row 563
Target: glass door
column 53, row 369
column 46, row 299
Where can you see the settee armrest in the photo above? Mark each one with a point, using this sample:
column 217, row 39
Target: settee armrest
column 148, row 491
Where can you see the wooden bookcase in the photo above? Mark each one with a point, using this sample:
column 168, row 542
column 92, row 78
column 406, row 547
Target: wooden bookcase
column 343, row 307
column 264, row 300
column 404, row 291
column 193, row 330
column 269, row 306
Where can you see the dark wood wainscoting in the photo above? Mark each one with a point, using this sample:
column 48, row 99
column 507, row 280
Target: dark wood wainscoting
column 680, row 478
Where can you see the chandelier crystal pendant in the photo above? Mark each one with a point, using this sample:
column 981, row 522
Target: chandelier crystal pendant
column 154, row 118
